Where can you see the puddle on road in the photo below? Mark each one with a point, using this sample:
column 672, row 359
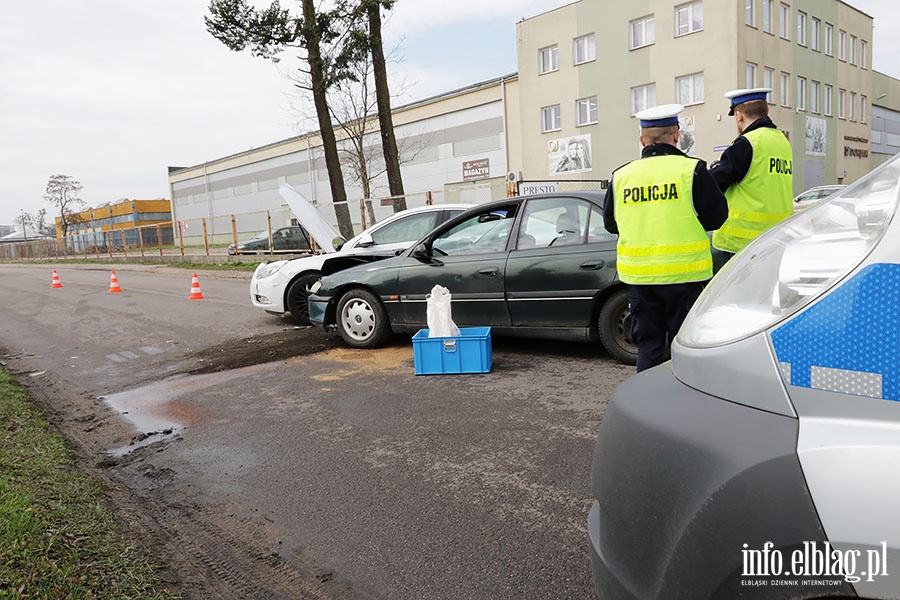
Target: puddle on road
column 160, row 410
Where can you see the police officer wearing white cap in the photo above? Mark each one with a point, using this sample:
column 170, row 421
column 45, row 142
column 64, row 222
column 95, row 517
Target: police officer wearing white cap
column 662, row 205
column 755, row 172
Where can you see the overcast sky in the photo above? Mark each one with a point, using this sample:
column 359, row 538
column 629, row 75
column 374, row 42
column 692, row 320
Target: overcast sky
column 112, row 92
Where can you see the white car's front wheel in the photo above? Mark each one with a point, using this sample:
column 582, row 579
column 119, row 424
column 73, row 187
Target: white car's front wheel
column 297, row 296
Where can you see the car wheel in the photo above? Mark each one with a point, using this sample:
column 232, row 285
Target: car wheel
column 362, row 320
column 614, row 326
column 295, row 299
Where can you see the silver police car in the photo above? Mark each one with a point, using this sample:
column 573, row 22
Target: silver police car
column 763, row 460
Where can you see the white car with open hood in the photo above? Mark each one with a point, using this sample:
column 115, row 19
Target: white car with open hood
column 281, row 286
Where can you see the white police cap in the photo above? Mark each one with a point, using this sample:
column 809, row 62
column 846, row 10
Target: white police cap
column 745, row 95
column 660, row 116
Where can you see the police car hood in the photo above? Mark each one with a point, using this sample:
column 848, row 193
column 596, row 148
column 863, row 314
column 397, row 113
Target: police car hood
column 322, row 231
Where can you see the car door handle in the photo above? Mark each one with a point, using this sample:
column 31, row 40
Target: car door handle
column 594, row 265
column 489, row 272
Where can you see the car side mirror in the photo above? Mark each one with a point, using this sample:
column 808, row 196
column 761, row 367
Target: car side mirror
column 421, row 251
column 366, row 241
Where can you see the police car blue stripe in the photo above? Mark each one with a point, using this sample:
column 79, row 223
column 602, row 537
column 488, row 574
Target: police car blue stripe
column 856, row 329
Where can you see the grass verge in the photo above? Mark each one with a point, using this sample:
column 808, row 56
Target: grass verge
column 59, row 536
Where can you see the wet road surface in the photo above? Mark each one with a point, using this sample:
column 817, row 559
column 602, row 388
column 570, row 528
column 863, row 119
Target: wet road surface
column 335, row 474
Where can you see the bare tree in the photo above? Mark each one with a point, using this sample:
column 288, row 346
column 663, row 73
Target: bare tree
column 37, row 221
column 62, row 191
column 368, row 40
column 267, row 33
column 354, row 106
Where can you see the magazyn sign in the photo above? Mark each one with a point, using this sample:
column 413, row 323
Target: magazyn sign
column 476, row 169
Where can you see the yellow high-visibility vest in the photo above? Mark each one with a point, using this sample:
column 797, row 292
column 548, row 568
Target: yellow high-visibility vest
column 763, row 198
column 660, row 238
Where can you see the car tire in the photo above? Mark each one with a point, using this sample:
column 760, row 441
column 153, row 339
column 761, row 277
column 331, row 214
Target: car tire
column 297, row 295
column 614, row 327
column 362, row 320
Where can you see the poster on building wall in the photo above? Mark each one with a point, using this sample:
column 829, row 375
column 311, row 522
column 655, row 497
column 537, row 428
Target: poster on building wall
column 570, row 155
column 687, row 138
column 816, row 135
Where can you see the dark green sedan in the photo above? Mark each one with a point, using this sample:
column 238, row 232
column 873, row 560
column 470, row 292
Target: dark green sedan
column 533, row 266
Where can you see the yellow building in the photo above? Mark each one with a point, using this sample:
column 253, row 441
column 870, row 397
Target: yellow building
column 143, row 221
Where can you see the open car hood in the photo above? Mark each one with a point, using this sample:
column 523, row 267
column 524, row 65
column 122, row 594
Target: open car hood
column 322, row 231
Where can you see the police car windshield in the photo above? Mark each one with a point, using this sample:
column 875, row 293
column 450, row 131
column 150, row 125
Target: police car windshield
column 794, row 263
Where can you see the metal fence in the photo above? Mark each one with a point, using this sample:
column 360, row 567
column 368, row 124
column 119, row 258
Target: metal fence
column 213, row 235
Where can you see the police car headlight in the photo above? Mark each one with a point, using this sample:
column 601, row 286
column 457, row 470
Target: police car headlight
column 792, row 264
column 266, row 269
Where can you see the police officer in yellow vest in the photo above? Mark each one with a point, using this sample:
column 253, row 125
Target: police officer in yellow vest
column 662, row 206
column 755, row 173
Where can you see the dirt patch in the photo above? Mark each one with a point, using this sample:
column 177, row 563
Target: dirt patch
column 288, row 343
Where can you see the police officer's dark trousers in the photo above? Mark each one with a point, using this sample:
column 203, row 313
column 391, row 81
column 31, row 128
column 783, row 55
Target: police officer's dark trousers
column 657, row 312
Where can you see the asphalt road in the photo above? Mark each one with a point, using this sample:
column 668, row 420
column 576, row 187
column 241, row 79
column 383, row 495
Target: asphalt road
column 337, row 474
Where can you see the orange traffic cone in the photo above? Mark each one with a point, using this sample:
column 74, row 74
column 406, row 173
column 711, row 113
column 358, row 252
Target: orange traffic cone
column 56, row 282
column 114, row 284
column 196, row 294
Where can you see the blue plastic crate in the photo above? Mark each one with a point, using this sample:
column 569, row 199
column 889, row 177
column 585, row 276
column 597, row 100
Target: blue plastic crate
column 469, row 352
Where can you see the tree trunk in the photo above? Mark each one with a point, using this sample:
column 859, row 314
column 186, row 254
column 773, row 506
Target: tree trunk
column 326, row 129
column 383, row 98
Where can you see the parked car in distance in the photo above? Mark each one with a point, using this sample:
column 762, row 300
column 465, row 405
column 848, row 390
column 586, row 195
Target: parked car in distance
column 281, row 286
column 285, row 239
column 534, row 266
column 813, row 195
column 761, row 461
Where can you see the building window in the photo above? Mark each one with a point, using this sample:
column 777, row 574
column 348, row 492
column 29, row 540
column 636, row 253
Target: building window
column 829, row 39
column 585, row 49
column 689, row 89
column 586, row 111
column 852, row 49
column 551, row 119
column 769, row 81
column 751, row 75
column 750, row 12
column 814, row 34
column 862, row 109
column 842, row 45
column 785, row 12
column 643, row 32
column 852, row 113
column 814, row 96
column 801, row 93
column 826, row 100
column 801, row 28
column 841, row 101
column 785, row 89
column 549, row 59
column 768, row 15
column 688, row 18
column 643, row 97
column 863, row 57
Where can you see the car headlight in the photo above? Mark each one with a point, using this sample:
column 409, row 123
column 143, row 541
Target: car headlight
column 792, row 264
column 315, row 287
column 266, row 269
